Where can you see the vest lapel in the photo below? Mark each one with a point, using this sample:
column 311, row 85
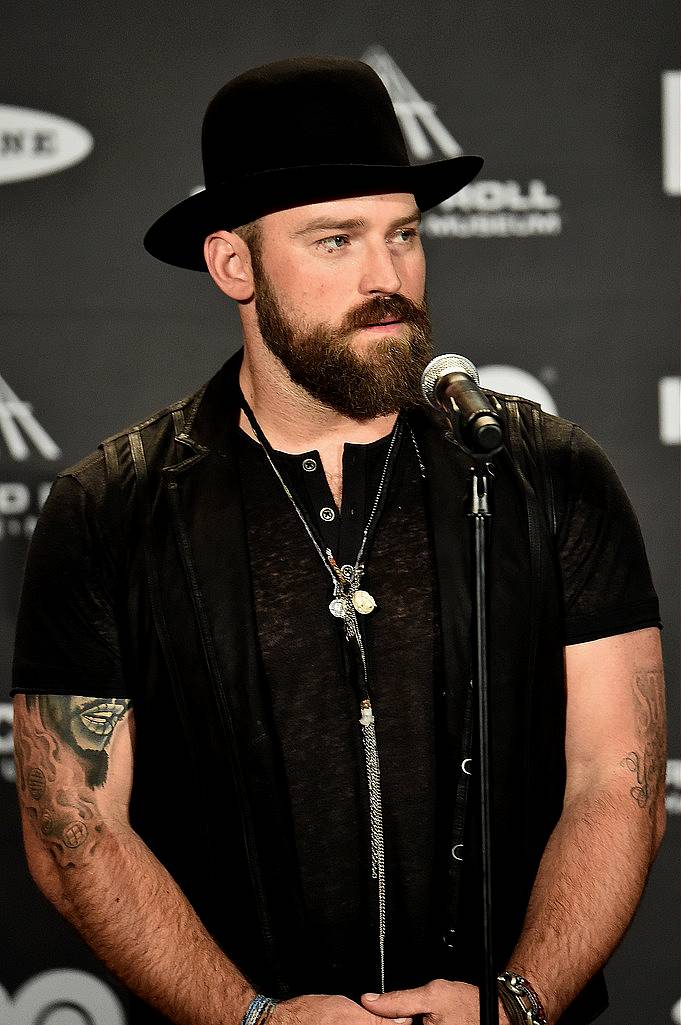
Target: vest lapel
column 447, row 473
column 201, row 558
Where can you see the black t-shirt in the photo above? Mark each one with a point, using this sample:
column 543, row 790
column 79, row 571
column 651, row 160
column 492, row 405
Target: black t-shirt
column 316, row 710
column 68, row 636
column 67, row 642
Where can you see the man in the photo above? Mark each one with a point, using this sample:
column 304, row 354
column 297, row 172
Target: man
column 244, row 714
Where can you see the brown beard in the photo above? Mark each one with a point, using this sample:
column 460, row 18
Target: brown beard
column 321, row 359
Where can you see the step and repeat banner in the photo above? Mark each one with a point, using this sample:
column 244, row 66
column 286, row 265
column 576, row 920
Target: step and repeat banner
column 556, row 272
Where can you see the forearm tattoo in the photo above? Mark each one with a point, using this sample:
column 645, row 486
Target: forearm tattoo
column 648, row 764
column 61, row 747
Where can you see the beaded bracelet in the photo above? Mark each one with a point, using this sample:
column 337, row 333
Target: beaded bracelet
column 259, row 1010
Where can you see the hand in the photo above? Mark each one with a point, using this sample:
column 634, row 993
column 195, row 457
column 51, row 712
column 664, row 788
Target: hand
column 325, row 1010
column 440, row 1002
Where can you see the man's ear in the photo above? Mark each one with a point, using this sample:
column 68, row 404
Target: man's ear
column 229, row 264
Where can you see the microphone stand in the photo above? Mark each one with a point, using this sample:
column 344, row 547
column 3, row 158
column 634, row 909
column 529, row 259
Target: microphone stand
column 450, row 382
column 481, row 448
column 480, row 517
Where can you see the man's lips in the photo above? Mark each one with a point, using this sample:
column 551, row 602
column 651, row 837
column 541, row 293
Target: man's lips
column 382, row 324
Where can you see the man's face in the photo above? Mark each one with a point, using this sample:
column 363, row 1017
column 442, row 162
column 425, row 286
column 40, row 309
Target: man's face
column 340, row 300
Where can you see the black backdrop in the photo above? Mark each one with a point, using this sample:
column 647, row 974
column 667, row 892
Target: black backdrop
column 556, row 273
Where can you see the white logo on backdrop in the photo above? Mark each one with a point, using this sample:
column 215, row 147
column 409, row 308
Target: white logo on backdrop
column 62, row 997
column 417, row 116
column 484, row 209
column 669, row 390
column 34, row 143
column 514, row 381
column 22, row 436
column 17, row 416
column 673, row 791
column 19, row 507
column 671, row 132
column 7, row 769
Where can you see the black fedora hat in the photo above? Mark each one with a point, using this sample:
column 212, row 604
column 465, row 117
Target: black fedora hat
column 294, row 132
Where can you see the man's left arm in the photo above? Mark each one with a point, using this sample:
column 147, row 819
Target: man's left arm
column 595, row 865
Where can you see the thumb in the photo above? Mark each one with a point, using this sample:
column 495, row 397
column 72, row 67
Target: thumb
column 398, row 1004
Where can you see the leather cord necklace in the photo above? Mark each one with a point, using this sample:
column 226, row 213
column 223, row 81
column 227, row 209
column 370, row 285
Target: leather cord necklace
column 349, row 599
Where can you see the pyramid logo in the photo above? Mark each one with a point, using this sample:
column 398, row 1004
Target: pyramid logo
column 486, row 208
column 18, row 427
column 423, row 131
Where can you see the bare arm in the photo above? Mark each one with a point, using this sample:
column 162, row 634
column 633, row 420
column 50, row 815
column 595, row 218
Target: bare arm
column 74, row 772
column 596, row 863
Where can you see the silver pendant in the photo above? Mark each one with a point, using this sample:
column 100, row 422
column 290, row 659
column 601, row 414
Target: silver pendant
column 364, row 602
column 376, row 824
column 337, row 608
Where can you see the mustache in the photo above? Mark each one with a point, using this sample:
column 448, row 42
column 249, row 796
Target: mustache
column 395, row 307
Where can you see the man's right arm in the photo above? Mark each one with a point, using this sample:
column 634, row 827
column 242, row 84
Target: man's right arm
column 74, row 773
column 74, row 760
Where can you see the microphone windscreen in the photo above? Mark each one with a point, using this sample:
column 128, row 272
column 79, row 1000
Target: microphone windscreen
column 447, row 363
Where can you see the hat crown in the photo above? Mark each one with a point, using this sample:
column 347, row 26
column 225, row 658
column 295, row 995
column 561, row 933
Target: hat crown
column 296, row 113
column 297, row 132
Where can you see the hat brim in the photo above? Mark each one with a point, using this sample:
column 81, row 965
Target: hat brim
column 177, row 237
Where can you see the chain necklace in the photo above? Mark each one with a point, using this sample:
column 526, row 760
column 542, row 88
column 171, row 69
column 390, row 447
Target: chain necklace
column 347, row 601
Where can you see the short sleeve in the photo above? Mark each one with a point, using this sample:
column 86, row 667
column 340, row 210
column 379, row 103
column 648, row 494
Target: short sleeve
column 607, row 586
column 67, row 637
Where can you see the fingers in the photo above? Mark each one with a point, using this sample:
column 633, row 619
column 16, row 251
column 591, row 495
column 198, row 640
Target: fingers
column 399, row 1004
column 391, row 1021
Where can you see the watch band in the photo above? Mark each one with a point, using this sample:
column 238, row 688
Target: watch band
column 520, row 1000
column 510, row 1005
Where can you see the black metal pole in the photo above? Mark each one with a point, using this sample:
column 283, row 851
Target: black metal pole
column 480, row 518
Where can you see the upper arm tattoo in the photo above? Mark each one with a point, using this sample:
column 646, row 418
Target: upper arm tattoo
column 61, row 747
column 648, row 764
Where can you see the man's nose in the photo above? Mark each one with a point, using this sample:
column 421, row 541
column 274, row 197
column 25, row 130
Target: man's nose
column 379, row 272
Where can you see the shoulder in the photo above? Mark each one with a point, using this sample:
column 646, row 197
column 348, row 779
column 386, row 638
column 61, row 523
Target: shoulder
column 582, row 471
column 551, row 442
column 565, row 443
column 563, row 462
column 96, row 495
column 532, row 421
column 93, row 472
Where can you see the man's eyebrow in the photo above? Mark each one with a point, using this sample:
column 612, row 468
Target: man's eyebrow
column 409, row 219
column 351, row 224
column 324, row 224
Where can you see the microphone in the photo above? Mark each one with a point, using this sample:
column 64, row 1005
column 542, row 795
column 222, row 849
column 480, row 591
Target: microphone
column 451, row 383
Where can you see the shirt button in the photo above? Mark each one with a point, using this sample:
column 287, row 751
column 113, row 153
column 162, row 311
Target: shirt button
column 456, row 852
column 327, row 514
column 309, row 465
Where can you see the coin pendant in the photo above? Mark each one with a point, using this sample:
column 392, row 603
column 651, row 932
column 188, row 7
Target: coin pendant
column 363, row 602
column 336, row 608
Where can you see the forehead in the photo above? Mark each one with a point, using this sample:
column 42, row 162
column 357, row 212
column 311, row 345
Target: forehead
column 376, row 211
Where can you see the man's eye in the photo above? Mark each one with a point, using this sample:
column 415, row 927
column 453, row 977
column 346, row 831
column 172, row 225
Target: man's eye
column 407, row 234
column 334, row 241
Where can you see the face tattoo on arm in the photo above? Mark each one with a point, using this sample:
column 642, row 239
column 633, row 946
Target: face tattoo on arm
column 61, row 744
